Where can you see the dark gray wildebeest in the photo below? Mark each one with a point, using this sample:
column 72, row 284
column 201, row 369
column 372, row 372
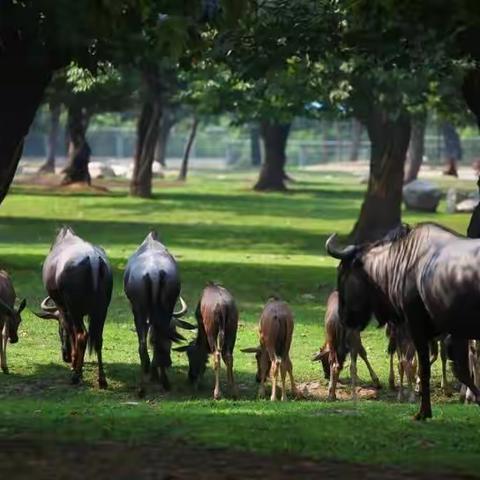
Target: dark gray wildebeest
column 9, row 317
column 339, row 342
column 273, row 353
column 426, row 275
column 217, row 323
column 78, row 279
column 152, row 284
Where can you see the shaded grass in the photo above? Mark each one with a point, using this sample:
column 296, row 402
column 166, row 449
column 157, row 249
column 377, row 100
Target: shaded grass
column 256, row 245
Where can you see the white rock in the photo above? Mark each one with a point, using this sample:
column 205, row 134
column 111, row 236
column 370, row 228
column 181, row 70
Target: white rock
column 466, row 206
column 421, row 195
column 100, row 170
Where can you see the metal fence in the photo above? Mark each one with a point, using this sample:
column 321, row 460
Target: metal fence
column 333, row 145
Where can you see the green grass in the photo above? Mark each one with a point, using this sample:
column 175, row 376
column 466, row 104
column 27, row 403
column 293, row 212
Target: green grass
column 256, row 245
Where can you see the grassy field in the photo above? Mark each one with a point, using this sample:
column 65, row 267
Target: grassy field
column 256, row 245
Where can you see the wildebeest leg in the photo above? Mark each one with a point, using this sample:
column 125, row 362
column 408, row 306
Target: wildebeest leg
column 332, row 386
column 228, row 360
column 458, row 352
column 142, row 333
column 363, row 355
column 217, row 394
column 102, row 379
column 421, row 344
column 353, row 373
column 274, row 374
column 443, row 357
column 401, row 371
column 283, row 375
column 80, row 347
column 391, row 376
column 289, row 368
column 3, row 349
column 411, row 371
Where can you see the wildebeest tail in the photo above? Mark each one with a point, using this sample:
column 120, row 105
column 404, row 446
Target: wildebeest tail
column 161, row 333
column 281, row 338
column 220, row 314
column 97, row 317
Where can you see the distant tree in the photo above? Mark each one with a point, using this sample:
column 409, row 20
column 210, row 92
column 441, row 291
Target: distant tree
column 188, row 147
column 416, row 148
column 55, row 110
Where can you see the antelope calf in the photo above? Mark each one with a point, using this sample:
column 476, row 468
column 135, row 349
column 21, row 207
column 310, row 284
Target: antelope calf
column 9, row 317
column 339, row 342
column 273, row 353
column 400, row 343
column 217, row 323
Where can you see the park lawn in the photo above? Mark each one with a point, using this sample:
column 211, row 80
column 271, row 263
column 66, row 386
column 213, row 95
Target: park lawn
column 256, row 245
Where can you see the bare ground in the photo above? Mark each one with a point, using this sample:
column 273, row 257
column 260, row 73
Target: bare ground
column 20, row 459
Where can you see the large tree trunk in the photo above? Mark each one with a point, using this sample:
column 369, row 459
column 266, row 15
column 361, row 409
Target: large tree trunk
column 381, row 209
column 79, row 151
column 147, row 135
column 22, row 86
column 166, row 123
column 272, row 175
column 182, row 176
column 255, row 148
column 416, row 149
column 357, row 129
column 52, row 138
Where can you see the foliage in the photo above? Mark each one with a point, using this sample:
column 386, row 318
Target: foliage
column 256, row 246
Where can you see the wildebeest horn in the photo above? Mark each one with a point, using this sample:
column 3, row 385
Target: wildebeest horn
column 250, row 350
column 182, row 311
column 183, row 348
column 7, row 309
column 47, row 315
column 340, row 254
column 48, row 308
column 183, row 324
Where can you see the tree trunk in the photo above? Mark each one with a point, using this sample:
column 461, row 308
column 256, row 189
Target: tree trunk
column 255, row 149
column 272, row 174
column 381, row 209
column 416, row 149
column 79, row 151
column 182, row 176
column 147, row 135
column 471, row 92
column 21, row 90
column 357, row 129
column 166, row 124
column 52, row 139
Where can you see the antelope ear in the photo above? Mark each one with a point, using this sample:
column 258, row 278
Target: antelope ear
column 250, row 350
column 22, row 306
column 46, row 315
column 183, row 348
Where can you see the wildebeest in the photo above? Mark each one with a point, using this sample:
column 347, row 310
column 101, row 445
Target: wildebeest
column 9, row 317
column 426, row 275
column 273, row 353
column 400, row 343
column 152, row 284
column 78, row 279
column 217, row 323
column 339, row 342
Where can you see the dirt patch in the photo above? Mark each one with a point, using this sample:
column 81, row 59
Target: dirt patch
column 21, row 459
column 319, row 391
